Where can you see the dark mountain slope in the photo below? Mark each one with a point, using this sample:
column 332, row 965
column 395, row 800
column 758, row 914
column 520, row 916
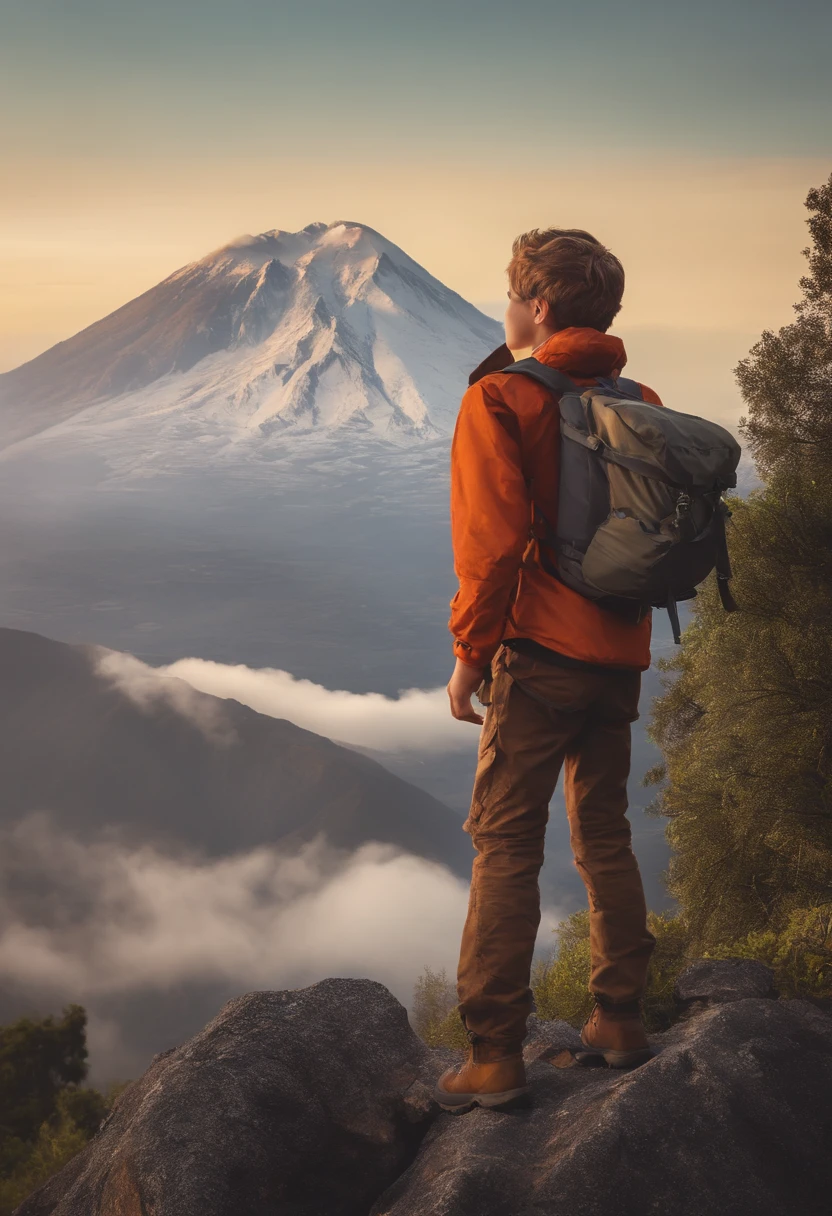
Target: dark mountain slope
column 221, row 779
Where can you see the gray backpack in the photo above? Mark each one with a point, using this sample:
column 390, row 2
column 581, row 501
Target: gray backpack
column 641, row 519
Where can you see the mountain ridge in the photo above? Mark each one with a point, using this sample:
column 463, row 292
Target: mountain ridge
column 86, row 741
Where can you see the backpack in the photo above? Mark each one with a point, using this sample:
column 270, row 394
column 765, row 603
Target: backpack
column 641, row 520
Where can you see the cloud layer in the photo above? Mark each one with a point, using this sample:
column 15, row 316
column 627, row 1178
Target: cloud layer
column 128, row 918
column 102, row 922
column 418, row 719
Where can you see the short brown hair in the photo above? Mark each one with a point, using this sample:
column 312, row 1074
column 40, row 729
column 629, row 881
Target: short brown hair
column 579, row 278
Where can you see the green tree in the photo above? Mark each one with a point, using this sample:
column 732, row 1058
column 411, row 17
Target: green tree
column 745, row 725
column 46, row 1114
column 37, row 1060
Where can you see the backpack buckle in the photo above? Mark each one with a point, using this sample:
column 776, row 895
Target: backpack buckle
column 683, row 505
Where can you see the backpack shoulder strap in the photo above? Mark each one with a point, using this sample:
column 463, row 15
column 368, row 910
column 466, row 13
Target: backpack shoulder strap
column 560, row 383
column 550, row 377
column 631, row 387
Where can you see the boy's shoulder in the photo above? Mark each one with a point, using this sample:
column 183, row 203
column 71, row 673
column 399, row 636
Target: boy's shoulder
column 502, row 391
column 495, row 362
column 649, row 394
column 491, row 384
column 491, row 380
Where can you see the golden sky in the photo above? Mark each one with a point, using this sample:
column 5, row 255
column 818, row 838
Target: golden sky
column 711, row 246
column 136, row 138
column 706, row 244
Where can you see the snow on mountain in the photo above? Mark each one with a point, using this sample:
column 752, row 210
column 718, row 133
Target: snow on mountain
column 332, row 330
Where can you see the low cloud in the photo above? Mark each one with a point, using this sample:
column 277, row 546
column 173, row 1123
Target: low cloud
column 417, row 720
column 127, row 918
column 147, row 686
column 97, row 920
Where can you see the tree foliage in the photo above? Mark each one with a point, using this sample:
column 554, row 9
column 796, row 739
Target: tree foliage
column 746, row 722
column 46, row 1114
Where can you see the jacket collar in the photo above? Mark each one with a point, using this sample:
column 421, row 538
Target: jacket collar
column 582, row 351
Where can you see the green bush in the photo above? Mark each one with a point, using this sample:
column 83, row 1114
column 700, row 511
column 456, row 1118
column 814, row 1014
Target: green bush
column 435, row 1016
column 799, row 954
column 56, row 1143
column 560, row 983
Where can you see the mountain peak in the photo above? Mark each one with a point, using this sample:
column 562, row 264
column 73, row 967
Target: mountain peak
column 330, row 327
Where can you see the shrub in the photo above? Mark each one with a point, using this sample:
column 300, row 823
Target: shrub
column 435, row 1016
column 560, row 983
column 799, row 954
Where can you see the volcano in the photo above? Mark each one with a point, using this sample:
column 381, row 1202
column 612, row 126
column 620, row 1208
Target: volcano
column 331, row 329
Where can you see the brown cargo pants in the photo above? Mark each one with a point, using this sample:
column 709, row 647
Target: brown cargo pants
column 538, row 718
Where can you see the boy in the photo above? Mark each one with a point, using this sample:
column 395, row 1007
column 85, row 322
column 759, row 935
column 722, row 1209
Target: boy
column 560, row 677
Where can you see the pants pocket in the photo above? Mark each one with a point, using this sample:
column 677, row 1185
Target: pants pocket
column 557, row 688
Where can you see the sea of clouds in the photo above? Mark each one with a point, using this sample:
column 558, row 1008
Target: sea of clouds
column 104, row 920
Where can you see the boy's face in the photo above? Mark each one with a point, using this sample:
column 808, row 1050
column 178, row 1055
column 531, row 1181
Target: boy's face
column 526, row 322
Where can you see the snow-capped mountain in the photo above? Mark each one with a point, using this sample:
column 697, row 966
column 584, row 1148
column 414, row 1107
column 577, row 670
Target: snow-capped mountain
column 330, row 329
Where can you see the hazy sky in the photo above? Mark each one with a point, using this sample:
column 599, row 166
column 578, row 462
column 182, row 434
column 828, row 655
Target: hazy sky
column 137, row 137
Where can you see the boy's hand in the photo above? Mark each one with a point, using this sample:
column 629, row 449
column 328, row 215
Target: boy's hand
column 462, row 685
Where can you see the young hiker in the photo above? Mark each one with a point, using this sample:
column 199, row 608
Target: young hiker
column 559, row 674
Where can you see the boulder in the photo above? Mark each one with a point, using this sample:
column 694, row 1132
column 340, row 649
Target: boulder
column 305, row 1102
column 318, row 1101
column 718, row 981
column 732, row 1117
column 547, row 1037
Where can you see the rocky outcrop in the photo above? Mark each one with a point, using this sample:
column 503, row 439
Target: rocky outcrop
column 732, row 1117
column 304, row 1102
column 318, row 1101
column 718, row 981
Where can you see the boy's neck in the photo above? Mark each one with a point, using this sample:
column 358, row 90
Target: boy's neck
column 544, row 341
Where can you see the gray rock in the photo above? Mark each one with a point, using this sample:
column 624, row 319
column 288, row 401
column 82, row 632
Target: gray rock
column 545, row 1039
column 732, row 1117
column 317, row 1102
column 300, row 1103
column 718, row 981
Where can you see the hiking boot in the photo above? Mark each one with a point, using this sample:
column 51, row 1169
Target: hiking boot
column 492, row 1075
column 617, row 1033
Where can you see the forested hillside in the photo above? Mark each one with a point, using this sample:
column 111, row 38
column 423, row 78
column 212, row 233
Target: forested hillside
column 746, row 723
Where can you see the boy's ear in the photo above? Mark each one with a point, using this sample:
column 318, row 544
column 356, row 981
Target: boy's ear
column 541, row 310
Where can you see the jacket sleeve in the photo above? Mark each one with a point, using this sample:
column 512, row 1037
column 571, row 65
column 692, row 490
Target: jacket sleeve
column 490, row 522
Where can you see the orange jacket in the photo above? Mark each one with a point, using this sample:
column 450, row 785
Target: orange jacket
column 507, row 439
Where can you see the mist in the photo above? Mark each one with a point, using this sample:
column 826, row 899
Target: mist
column 121, row 921
column 418, row 719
